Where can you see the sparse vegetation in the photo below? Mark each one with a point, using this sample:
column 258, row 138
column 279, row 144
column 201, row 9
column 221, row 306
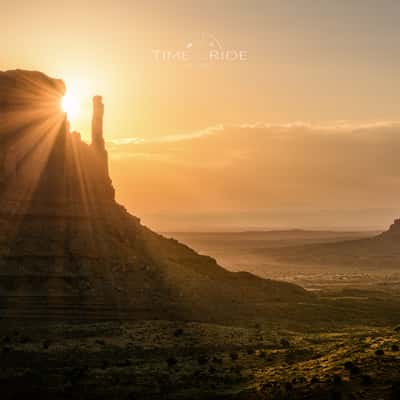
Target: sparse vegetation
column 144, row 359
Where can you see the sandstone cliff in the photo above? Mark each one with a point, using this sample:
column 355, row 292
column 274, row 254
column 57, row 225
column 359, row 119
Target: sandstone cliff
column 68, row 250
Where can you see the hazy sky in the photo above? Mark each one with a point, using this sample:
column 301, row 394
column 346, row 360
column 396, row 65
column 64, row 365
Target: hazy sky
column 309, row 61
column 278, row 176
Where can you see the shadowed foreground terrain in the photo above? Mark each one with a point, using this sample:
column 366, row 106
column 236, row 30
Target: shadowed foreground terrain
column 171, row 360
column 94, row 305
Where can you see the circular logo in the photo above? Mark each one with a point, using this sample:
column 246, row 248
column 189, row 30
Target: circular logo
column 202, row 48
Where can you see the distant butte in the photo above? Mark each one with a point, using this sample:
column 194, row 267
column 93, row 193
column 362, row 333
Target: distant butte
column 69, row 251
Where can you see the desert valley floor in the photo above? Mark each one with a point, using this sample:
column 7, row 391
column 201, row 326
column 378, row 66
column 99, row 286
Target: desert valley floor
column 345, row 345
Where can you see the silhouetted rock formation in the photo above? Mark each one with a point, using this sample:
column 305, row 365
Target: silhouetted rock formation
column 68, row 250
column 381, row 251
column 393, row 232
column 41, row 164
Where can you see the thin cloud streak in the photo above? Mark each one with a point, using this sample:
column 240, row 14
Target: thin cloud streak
column 259, row 167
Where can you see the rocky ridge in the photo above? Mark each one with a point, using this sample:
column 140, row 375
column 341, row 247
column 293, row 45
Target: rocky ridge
column 69, row 251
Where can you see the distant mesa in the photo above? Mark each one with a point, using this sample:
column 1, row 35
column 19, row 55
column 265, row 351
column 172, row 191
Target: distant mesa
column 379, row 252
column 69, row 251
column 393, row 232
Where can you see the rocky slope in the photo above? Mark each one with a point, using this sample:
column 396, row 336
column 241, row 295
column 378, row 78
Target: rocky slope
column 69, row 251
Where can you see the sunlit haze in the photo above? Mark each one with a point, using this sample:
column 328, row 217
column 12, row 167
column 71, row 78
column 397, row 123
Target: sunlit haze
column 71, row 106
column 298, row 104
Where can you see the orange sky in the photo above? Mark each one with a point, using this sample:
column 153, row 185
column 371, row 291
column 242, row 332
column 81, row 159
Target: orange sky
column 315, row 62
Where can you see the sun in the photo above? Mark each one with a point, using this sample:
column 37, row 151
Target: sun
column 70, row 105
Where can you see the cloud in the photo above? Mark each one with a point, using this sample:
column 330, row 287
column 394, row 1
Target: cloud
column 168, row 138
column 238, row 168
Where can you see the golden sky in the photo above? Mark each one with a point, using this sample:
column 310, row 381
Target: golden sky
column 189, row 126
